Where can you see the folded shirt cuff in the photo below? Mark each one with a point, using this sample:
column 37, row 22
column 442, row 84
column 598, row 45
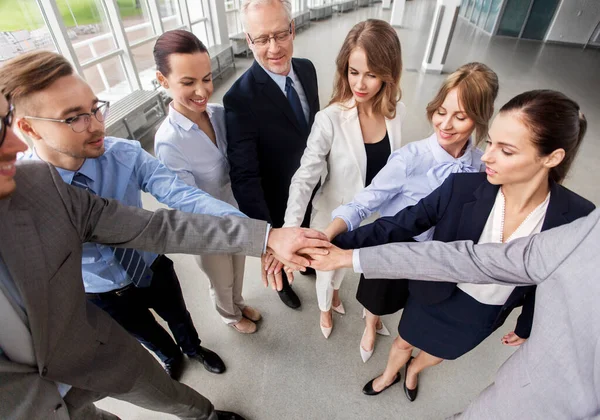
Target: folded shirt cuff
column 267, row 238
column 356, row 261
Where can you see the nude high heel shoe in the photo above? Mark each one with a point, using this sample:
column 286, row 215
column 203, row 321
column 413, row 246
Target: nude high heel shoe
column 340, row 308
column 381, row 331
column 326, row 330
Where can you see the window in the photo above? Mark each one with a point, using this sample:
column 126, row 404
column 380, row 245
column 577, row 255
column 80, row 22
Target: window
column 88, row 30
column 108, row 79
column 169, row 14
column 23, row 29
column 234, row 22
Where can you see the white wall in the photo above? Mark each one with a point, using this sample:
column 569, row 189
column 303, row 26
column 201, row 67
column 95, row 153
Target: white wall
column 574, row 21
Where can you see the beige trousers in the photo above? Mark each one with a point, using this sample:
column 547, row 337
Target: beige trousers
column 226, row 277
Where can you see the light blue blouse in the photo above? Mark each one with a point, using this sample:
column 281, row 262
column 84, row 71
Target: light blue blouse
column 186, row 150
column 411, row 173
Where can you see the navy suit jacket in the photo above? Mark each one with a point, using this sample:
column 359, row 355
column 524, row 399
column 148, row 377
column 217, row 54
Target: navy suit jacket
column 459, row 210
column 265, row 140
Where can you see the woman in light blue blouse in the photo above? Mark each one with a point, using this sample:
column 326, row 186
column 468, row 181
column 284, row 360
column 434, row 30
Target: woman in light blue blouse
column 463, row 105
column 191, row 142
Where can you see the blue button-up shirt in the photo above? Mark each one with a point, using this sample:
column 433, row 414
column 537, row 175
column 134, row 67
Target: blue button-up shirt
column 411, row 173
column 122, row 173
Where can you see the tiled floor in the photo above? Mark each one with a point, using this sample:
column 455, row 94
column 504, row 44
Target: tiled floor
column 288, row 370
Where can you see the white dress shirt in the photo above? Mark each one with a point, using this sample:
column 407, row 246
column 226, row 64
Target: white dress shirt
column 495, row 294
column 280, row 81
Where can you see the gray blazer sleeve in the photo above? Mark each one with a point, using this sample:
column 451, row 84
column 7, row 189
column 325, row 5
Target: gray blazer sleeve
column 523, row 261
column 164, row 231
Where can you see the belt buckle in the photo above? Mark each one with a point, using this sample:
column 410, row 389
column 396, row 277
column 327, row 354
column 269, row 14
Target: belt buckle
column 121, row 292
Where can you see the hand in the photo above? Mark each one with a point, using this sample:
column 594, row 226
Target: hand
column 334, row 259
column 336, row 227
column 271, row 271
column 512, row 339
column 284, row 244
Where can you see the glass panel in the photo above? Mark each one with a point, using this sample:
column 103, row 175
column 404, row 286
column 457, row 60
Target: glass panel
column 513, row 17
column 463, row 7
column 23, row 29
column 108, row 79
column 539, row 20
column 234, row 22
column 485, row 9
column 470, row 7
column 169, row 13
column 136, row 19
column 476, row 11
column 493, row 16
column 196, row 9
column 200, row 30
column 144, row 61
column 88, row 28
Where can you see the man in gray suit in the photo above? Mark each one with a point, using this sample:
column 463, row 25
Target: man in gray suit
column 58, row 352
column 556, row 373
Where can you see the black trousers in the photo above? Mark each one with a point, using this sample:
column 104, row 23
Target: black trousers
column 131, row 309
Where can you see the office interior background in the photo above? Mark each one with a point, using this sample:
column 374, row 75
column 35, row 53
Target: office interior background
column 287, row 370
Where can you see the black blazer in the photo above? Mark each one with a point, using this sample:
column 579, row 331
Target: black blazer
column 459, row 210
column 265, row 141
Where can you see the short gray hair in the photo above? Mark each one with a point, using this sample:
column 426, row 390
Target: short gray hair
column 287, row 6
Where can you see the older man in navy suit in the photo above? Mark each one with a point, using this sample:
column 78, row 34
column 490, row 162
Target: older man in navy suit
column 269, row 112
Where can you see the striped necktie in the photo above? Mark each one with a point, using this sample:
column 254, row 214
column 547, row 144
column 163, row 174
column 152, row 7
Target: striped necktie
column 130, row 259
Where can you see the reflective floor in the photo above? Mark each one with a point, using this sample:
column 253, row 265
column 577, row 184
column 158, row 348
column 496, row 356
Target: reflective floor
column 288, row 370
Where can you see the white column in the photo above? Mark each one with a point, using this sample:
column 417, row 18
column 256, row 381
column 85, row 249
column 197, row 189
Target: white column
column 219, row 21
column 444, row 22
column 397, row 12
column 386, row 4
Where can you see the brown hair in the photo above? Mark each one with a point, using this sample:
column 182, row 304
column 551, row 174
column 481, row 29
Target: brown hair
column 384, row 57
column 555, row 122
column 30, row 73
column 477, row 86
column 177, row 41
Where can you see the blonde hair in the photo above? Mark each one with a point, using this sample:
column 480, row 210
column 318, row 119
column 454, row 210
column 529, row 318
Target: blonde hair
column 380, row 43
column 30, row 73
column 477, row 87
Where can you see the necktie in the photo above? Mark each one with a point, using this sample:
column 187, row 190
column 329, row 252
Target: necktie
column 130, row 259
column 295, row 103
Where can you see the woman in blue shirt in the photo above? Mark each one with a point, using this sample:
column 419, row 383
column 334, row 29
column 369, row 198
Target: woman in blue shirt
column 463, row 105
column 191, row 142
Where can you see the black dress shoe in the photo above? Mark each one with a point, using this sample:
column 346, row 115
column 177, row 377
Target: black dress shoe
column 209, row 359
column 368, row 388
column 411, row 394
column 175, row 368
column 228, row 415
column 289, row 297
column 309, row 271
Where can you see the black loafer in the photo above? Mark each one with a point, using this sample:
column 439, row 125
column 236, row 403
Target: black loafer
column 368, row 388
column 411, row 394
column 289, row 297
column 228, row 415
column 209, row 359
column 175, row 368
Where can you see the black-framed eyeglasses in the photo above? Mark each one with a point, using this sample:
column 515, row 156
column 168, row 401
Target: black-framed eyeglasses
column 281, row 36
column 79, row 123
column 5, row 123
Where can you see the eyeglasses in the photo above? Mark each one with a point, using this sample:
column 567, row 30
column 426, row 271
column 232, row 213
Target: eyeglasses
column 263, row 40
column 79, row 123
column 5, row 123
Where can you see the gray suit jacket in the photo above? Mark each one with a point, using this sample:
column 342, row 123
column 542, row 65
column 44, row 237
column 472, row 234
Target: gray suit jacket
column 43, row 225
column 556, row 373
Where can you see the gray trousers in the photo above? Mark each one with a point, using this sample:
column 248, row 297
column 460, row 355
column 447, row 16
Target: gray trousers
column 153, row 390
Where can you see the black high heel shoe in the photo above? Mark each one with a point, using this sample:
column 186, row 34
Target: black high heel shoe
column 411, row 394
column 368, row 388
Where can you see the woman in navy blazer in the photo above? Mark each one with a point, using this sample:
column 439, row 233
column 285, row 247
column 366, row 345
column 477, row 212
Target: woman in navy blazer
column 529, row 153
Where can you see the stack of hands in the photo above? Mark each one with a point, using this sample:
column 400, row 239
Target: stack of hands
column 295, row 249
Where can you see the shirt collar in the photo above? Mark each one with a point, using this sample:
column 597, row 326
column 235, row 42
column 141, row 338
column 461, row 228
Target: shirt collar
column 441, row 156
column 184, row 122
column 88, row 169
column 280, row 79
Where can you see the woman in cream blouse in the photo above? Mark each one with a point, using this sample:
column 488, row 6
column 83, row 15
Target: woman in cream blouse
column 350, row 140
column 192, row 142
